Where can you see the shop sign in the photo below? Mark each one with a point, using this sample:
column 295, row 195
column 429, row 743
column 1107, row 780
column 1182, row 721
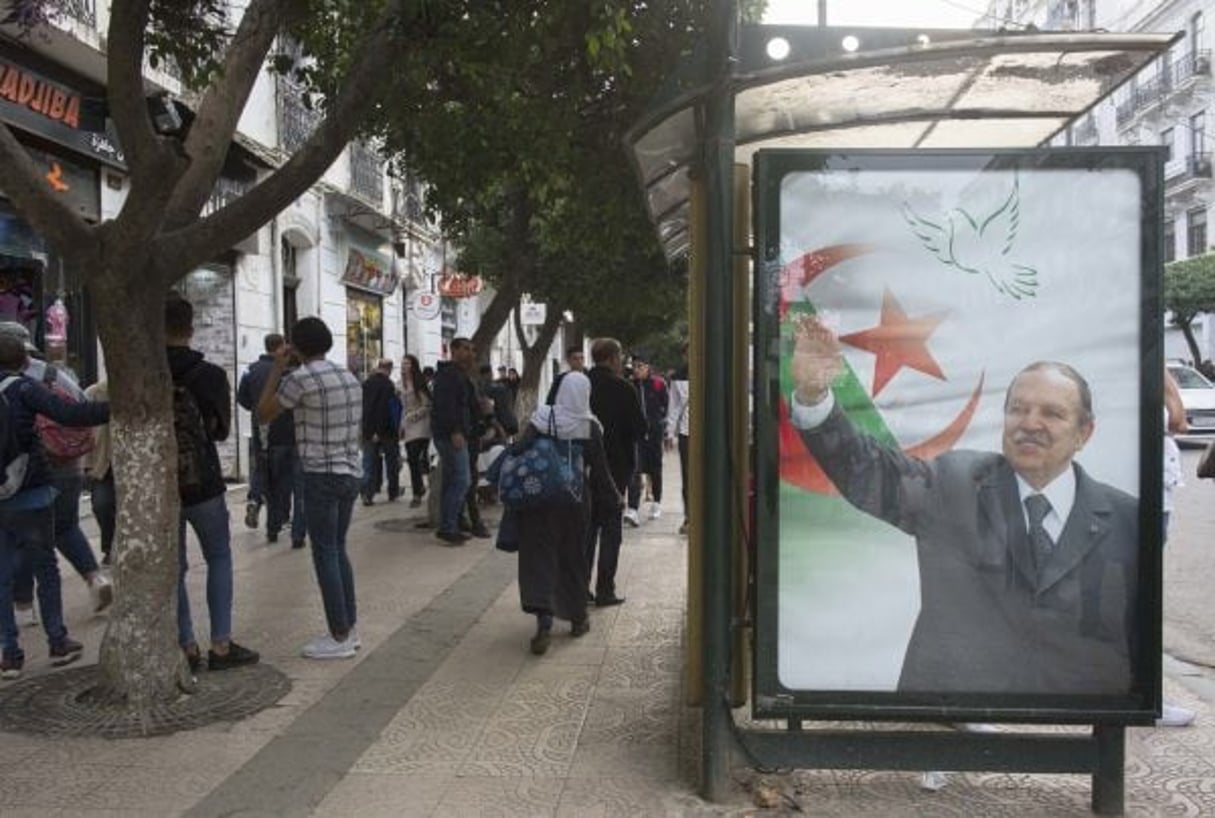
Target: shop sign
column 369, row 273
column 532, row 314
column 73, row 184
column 424, row 305
column 63, row 115
column 460, row 285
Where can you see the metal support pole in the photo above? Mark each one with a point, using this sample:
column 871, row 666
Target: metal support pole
column 1109, row 781
column 718, row 146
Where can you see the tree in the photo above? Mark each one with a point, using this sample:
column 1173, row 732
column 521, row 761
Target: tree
column 131, row 261
column 1189, row 290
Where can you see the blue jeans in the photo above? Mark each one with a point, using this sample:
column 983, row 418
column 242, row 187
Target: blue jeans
column 69, row 539
column 256, row 495
column 328, row 505
column 375, row 451
column 284, row 491
column 457, row 477
column 209, row 519
column 30, row 535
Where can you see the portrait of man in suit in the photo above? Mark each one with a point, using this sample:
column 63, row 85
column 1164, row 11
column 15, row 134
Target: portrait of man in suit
column 1027, row 565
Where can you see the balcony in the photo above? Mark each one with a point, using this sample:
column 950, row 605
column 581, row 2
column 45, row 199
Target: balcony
column 1197, row 166
column 1190, row 66
column 296, row 121
column 82, row 11
column 1086, row 130
column 366, row 173
column 1124, row 111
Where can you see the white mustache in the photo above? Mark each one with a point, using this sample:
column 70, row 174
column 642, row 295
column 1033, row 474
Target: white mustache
column 1037, row 438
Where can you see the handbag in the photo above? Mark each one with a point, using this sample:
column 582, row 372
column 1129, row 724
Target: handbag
column 1206, row 463
column 541, row 471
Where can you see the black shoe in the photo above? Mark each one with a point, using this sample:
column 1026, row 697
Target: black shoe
column 590, row 597
column 580, row 627
column 539, row 643
column 251, row 512
column 271, row 536
column 393, row 495
column 368, row 501
column 452, row 537
column 608, row 600
column 481, row 531
column 107, row 558
column 65, row 652
column 465, row 525
column 193, row 658
column 237, row 656
column 300, row 543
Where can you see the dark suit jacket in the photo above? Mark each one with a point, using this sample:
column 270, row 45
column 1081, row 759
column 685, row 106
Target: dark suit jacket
column 990, row 620
column 615, row 402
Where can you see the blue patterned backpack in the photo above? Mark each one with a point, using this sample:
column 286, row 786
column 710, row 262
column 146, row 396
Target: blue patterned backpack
column 541, row 472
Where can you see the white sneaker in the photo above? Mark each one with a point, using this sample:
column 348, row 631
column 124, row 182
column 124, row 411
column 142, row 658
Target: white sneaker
column 655, row 511
column 1172, row 715
column 326, row 647
column 353, row 639
column 101, row 591
column 631, row 517
column 933, row 780
column 26, row 617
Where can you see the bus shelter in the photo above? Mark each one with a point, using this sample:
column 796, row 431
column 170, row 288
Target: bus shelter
column 825, row 111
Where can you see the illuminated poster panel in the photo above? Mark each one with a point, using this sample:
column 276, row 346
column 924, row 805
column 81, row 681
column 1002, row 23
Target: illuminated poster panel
column 959, row 429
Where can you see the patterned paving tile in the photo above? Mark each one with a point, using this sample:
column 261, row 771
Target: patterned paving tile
column 630, row 716
column 383, row 796
column 500, row 797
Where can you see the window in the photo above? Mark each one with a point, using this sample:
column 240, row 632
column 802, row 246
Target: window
column 1196, row 38
column 1170, row 241
column 1198, row 133
column 291, row 283
column 1196, row 232
column 1166, row 139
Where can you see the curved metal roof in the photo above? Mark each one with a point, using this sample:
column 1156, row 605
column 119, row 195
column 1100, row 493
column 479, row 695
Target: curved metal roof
column 897, row 88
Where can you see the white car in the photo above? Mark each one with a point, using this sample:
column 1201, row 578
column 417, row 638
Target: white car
column 1198, row 397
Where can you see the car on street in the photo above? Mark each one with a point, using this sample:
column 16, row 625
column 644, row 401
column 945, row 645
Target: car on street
column 1198, row 397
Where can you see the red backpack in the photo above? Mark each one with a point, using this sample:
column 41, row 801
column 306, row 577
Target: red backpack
column 62, row 442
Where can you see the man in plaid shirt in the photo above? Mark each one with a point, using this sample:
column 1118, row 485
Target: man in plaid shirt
column 327, row 402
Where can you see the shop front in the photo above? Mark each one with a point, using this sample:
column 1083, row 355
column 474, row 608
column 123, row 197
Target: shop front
column 370, row 278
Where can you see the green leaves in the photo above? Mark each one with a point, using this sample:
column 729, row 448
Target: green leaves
column 1189, row 287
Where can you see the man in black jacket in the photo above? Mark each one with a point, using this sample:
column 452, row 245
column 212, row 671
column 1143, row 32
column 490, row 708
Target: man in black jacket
column 26, row 517
column 274, row 477
column 615, row 402
column 381, row 434
column 203, row 501
column 451, row 427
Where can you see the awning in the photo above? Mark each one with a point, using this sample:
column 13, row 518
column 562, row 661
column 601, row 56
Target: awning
column 897, row 88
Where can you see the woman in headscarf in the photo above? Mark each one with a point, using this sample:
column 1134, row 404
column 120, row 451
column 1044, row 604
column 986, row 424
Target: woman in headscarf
column 553, row 571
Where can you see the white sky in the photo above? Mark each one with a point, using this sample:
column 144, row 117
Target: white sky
column 902, row 13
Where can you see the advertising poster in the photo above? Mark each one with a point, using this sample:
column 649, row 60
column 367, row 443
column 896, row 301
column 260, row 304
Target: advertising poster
column 962, row 467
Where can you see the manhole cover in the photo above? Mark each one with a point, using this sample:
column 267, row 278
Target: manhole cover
column 65, row 704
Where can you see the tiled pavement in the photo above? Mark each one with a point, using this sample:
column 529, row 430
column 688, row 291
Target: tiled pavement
column 445, row 713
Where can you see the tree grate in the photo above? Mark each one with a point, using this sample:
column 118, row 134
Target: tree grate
column 66, row 704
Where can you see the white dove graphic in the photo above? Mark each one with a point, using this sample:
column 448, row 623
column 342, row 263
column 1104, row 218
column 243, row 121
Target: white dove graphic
column 979, row 246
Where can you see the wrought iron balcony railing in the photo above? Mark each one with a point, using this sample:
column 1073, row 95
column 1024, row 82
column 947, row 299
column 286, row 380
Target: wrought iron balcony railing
column 82, row 11
column 1197, row 166
column 296, row 121
column 1190, row 65
column 366, row 173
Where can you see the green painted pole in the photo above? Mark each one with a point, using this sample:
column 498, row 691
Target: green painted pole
column 718, row 153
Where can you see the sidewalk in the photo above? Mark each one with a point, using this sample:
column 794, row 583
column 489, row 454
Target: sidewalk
column 445, row 713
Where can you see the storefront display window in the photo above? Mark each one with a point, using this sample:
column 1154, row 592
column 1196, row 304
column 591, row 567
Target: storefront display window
column 364, row 331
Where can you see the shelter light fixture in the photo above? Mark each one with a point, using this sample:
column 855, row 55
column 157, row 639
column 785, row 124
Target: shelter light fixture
column 850, row 43
column 923, row 39
column 778, row 48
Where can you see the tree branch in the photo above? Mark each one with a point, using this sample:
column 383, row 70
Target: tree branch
column 196, row 242
column 219, row 111
column 34, row 200
column 125, row 92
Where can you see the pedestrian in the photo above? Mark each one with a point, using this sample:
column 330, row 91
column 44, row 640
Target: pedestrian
column 247, row 392
column 100, row 473
column 618, row 409
column 415, row 426
column 678, row 428
column 654, row 397
column 381, row 434
column 27, row 511
column 1172, row 715
column 451, row 426
column 66, row 470
column 276, row 468
column 326, row 401
column 202, row 416
column 553, row 572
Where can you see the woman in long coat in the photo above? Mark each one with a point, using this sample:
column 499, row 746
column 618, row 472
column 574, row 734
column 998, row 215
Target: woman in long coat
column 553, row 570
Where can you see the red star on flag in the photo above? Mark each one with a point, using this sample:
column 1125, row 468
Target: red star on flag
column 898, row 341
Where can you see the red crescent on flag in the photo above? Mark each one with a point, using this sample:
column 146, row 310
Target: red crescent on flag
column 797, row 466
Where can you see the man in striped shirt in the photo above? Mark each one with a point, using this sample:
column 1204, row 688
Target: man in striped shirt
column 327, row 402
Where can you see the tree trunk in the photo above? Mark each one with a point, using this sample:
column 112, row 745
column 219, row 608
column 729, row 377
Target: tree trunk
column 534, row 358
column 1187, row 332
column 506, row 298
column 141, row 665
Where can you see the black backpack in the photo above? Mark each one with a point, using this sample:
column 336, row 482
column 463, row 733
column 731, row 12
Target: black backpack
column 196, row 467
column 13, row 462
